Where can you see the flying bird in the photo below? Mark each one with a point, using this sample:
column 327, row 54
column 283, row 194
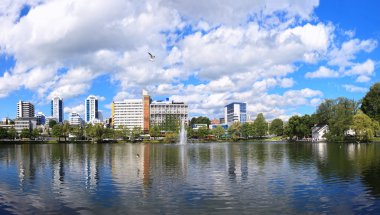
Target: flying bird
column 151, row 56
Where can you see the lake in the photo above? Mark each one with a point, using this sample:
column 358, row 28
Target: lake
column 206, row 178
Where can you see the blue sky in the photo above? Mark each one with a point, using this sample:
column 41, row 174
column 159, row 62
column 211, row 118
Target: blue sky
column 281, row 57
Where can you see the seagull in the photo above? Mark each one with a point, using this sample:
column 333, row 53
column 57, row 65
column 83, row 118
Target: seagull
column 151, row 56
column 137, row 155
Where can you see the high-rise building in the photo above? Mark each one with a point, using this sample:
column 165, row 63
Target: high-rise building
column 160, row 111
column 146, row 105
column 57, row 109
column 91, row 108
column 235, row 112
column 75, row 119
column 25, row 109
column 41, row 118
column 128, row 113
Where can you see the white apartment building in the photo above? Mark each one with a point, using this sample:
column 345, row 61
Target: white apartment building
column 75, row 119
column 128, row 113
column 29, row 123
column 91, row 108
column 161, row 110
column 25, row 109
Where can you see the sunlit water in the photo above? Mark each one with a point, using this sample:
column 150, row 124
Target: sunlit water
column 208, row 178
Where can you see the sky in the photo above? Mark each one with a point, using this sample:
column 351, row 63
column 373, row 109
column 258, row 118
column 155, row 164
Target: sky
column 282, row 57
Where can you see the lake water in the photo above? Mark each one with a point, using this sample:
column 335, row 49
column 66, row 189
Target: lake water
column 207, row 178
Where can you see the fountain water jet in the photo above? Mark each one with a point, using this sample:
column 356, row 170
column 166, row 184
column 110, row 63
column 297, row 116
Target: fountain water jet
column 183, row 134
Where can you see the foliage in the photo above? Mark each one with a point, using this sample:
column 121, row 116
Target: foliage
column 202, row 132
column 52, row 123
column 170, row 124
column 299, row 127
column 154, row 131
column 218, row 131
column 3, row 133
column 171, row 137
column 78, row 132
column 25, row 133
column 363, row 126
column 371, row 102
column 200, row 120
column 12, row 133
column 35, row 133
column 135, row 133
column 235, row 131
column 260, row 125
column 247, row 130
column 57, row 130
column 338, row 115
column 277, row 127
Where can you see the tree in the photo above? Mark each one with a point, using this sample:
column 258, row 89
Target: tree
column 200, row 120
column 66, row 128
column 136, row 131
column 35, row 133
column 3, row 133
column 203, row 132
column 25, row 133
column 260, row 125
column 52, row 123
column 277, row 127
column 247, row 130
column 171, row 137
column 363, row 126
column 12, row 133
column 218, row 131
column 57, row 131
column 235, row 131
column 371, row 102
column 154, row 131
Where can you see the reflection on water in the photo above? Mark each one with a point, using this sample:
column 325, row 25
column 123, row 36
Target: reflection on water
column 210, row 178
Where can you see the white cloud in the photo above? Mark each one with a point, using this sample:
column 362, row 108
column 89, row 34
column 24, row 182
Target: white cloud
column 77, row 109
column 322, row 72
column 355, row 89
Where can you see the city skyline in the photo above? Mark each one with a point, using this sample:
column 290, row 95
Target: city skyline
column 280, row 58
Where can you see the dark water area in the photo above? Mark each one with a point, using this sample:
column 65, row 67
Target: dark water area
column 207, row 178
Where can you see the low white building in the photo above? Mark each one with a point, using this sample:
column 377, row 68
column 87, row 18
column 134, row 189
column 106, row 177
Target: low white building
column 29, row 123
column 319, row 131
column 75, row 119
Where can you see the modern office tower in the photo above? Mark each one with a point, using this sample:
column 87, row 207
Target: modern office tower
column 128, row 113
column 41, row 118
column 75, row 119
column 57, row 109
column 146, row 104
column 25, row 109
column 160, row 111
column 100, row 116
column 91, row 108
column 235, row 112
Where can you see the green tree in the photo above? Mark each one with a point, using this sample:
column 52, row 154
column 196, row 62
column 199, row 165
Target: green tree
column 247, row 130
column 371, row 102
column 203, row 132
column 235, row 131
column 218, row 131
column 260, row 125
column 3, row 133
column 154, row 131
column 363, row 126
column 66, row 129
column 57, row 131
column 277, row 127
column 78, row 132
column 35, row 133
column 200, row 120
column 25, row 133
column 12, row 133
column 52, row 123
column 171, row 137
column 136, row 132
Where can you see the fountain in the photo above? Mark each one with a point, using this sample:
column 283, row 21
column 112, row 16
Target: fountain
column 182, row 134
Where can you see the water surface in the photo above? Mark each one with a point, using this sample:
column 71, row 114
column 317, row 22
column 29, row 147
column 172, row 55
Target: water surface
column 207, row 178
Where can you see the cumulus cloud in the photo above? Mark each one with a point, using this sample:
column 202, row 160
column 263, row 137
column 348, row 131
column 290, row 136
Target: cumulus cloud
column 235, row 50
column 355, row 89
column 322, row 72
column 77, row 109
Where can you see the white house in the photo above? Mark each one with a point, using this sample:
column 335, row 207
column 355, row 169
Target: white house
column 318, row 132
